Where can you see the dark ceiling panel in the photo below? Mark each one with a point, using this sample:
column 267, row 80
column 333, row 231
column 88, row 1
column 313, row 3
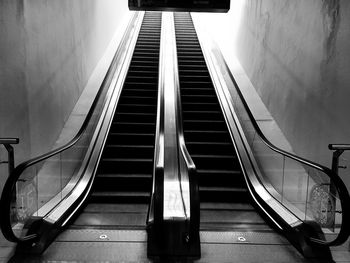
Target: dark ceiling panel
column 180, row 5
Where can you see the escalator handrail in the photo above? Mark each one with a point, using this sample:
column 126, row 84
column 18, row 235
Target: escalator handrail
column 183, row 152
column 10, row 184
column 339, row 185
column 158, row 169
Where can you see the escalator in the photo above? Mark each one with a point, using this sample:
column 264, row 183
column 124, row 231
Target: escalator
column 122, row 188
column 224, row 198
column 126, row 176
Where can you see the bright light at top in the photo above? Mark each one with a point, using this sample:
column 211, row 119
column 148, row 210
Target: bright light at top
column 223, row 27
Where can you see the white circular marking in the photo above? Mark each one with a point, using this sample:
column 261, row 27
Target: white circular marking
column 241, row 239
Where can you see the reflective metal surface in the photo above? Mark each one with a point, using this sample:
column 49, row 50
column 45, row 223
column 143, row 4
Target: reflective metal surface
column 100, row 135
column 173, row 196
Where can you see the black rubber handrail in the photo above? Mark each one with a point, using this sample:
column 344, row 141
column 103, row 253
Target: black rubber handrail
column 10, row 185
column 158, row 170
column 336, row 180
column 158, row 166
column 190, row 165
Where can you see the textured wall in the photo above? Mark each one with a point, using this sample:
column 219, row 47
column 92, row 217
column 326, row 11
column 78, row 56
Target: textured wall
column 48, row 50
column 297, row 56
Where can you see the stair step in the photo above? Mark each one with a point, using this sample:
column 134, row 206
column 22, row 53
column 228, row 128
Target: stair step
column 206, row 136
column 133, row 127
column 147, row 176
column 142, row 79
column 203, row 125
column 123, row 182
column 115, row 208
column 137, row 118
column 215, row 172
column 223, row 178
column 226, row 206
column 128, row 151
column 131, row 138
column 138, row 99
column 143, row 72
column 215, row 163
column 190, row 72
column 120, row 197
column 197, row 91
column 213, row 156
column 136, row 108
column 222, row 189
column 203, row 98
column 224, row 194
column 121, row 165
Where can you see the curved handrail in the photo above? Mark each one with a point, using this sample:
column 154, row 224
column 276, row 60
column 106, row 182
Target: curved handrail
column 10, row 185
column 337, row 184
column 158, row 167
column 183, row 152
column 168, row 53
column 337, row 181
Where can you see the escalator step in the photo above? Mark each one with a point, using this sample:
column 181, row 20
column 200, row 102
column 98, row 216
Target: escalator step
column 137, row 118
column 202, row 125
column 132, row 127
column 206, row 136
column 120, row 197
column 123, row 182
column 223, row 194
column 128, row 151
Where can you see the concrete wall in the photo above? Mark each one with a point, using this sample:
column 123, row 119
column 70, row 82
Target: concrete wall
column 48, row 50
column 296, row 53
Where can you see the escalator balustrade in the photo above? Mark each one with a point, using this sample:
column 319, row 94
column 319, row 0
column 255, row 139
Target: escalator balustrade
column 122, row 188
column 224, row 198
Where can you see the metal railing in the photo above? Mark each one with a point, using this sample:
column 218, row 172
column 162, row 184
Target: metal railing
column 8, row 142
column 175, row 198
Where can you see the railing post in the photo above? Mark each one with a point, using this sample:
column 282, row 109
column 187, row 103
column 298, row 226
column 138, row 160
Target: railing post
column 10, row 158
column 338, row 151
column 7, row 142
column 335, row 160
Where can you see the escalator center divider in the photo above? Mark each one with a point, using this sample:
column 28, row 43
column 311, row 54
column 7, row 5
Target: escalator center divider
column 125, row 171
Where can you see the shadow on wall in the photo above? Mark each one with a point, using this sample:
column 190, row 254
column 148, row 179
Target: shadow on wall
column 294, row 53
column 47, row 54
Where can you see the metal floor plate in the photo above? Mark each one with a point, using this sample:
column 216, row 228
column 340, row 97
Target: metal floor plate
column 101, row 235
column 215, row 237
column 96, row 245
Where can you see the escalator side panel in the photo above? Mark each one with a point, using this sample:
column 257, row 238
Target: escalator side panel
column 223, row 191
column 123, row 183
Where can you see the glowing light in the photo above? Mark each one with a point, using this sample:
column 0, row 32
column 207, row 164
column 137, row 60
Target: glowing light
column 223, row 27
